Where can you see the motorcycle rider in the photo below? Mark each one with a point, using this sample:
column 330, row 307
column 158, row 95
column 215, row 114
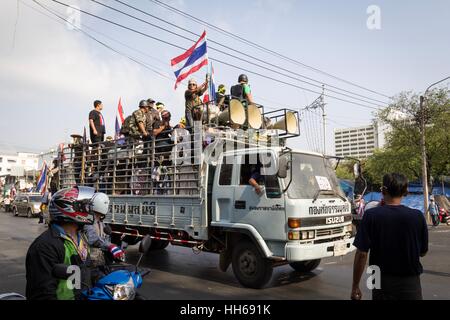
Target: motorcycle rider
column 62, row 243
column 97, row 239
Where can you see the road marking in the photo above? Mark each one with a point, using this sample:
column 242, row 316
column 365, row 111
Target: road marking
column 330, row 263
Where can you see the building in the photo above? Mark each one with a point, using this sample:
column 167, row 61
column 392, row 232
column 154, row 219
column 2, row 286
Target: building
column 359, row 142
column 16, row 164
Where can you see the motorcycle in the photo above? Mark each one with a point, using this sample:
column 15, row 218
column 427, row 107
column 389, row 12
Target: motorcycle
column 444, row 216
column 120, row 284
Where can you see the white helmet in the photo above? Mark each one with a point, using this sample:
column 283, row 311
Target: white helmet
column 100, row 203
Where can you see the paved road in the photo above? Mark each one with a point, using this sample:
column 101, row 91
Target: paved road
column 178, row 273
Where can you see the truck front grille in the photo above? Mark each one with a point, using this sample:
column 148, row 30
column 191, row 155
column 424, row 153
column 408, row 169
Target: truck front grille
column 329, row 232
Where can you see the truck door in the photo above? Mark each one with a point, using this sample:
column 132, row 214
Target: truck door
column 266, row 211
column 223, row 192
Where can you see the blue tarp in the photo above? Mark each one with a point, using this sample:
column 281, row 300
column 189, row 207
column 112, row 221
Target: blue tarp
column 414, row 201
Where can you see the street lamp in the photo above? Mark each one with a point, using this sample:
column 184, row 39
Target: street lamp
column 424, row 154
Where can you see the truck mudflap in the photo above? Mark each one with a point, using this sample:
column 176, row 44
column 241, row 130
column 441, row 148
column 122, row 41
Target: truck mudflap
column 295, row 251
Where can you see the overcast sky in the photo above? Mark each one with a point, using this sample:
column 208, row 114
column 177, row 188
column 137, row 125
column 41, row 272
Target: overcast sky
column 50, row 75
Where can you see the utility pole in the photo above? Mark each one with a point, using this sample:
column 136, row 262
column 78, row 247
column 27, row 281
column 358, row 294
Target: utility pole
column 424, row 158
column 322, row 103
column 423, row 147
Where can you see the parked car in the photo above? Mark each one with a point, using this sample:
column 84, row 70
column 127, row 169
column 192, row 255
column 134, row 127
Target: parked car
column 27, row 204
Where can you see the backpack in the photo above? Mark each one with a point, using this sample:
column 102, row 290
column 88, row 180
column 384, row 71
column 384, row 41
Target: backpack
column 237, row 92
column 126, row 126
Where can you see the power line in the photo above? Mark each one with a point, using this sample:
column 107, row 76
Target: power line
column 257, row 46
column 213, row 59
column 95, row 39
column 234, row 50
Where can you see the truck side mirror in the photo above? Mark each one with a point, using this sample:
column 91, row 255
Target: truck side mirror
column 283, row 165
column 356, row 170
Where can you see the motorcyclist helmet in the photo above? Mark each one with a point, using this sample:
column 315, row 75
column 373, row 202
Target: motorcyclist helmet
column 100, row 204
column 73, row 205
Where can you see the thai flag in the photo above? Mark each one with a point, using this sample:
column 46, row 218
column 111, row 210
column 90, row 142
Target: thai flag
column 42, row 181
column 211, row 95
column 119, row 119
column 191, row 61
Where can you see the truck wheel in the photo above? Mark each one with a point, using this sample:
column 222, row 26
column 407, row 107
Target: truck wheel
column 29, row 213
column 158, row 245
column 305, row 266
column 14, row 211
column 250, row 268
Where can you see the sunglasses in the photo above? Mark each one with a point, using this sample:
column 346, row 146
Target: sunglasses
column 192, row 84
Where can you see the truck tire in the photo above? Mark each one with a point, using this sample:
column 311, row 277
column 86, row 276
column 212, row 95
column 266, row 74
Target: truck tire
column 250, row 268
column 29, row 213
column 158, row 245
column 14, row 211
column 305, row 266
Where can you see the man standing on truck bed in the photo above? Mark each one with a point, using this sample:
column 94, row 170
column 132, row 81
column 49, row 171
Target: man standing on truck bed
column 242, row 90
column 134, row 126
column 97, row 123
column 396, row 236
column 193, row 101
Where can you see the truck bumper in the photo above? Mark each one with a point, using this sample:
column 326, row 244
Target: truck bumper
column 302, row 252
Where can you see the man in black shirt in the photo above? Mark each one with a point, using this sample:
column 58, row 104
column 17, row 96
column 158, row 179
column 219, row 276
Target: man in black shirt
column 396, row 236
column 97, row 123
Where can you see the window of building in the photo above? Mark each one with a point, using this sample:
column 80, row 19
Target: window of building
column 11, row 161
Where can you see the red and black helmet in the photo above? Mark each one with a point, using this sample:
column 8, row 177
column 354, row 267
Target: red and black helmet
column 72, row 205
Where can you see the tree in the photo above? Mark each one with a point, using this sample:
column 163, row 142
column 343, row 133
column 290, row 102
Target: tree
column 402, row 152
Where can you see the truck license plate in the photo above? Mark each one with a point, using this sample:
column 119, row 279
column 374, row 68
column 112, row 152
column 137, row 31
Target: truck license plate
column 340, row 248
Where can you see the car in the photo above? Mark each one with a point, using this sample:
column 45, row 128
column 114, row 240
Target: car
column 27, row 204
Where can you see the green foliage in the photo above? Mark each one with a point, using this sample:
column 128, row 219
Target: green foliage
column 345, row 170
column 402, row 152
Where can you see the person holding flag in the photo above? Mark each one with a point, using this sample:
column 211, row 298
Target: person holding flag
column 186, row 64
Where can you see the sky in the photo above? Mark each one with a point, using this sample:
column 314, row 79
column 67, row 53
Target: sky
column 50, row 75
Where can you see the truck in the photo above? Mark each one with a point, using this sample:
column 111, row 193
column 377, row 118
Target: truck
column 194, row 191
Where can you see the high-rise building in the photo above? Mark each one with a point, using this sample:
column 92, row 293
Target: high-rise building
column 359, row 142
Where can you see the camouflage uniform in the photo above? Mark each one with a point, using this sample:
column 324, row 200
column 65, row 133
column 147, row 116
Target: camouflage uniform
column 138, row 116
column 152, row 116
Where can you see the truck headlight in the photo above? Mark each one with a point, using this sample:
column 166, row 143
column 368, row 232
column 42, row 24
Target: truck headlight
column 37, row 207
column 306, row 235
column 123, row 291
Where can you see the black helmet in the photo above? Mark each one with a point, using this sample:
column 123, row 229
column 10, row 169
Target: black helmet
column 143, row 104
column 243, row 78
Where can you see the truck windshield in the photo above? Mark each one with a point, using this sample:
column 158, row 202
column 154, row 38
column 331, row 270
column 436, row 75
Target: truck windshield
column 310, row 175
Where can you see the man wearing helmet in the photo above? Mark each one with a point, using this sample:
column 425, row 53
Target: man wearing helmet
column 62, row 243
column 135, row 125
column 96, row 236
column 242, row 90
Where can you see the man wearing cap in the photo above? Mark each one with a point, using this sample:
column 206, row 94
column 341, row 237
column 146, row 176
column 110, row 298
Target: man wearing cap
column 152, row 115
column 77, row 149
column 193, row 100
